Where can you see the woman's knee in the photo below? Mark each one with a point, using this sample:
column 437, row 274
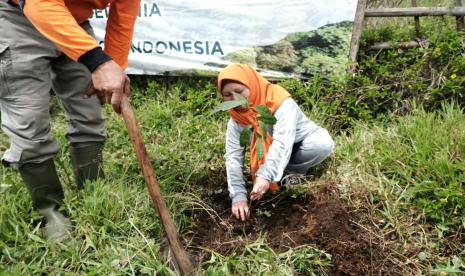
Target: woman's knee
column 326, row 145
column 321, row 144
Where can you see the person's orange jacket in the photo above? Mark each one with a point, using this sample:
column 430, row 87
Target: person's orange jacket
column 59, row 20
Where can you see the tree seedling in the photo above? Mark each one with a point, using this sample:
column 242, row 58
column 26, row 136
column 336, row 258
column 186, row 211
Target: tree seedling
column 266, row 119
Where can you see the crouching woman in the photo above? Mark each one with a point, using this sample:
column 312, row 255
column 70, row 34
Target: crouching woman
column 292, row 145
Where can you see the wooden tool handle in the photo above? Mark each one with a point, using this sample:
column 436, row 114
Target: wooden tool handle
column 180, row 254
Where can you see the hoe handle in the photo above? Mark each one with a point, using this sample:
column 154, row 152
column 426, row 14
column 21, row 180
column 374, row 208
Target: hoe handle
column 180, row 254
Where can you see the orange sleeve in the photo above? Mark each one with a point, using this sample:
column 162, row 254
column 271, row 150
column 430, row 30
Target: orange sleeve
column 54, row 20
column 120, row 29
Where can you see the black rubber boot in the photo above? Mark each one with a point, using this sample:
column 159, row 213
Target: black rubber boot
column 87, row 162
column 47, row 194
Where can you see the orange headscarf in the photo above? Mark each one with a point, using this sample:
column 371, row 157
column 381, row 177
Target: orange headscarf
column 262, row 92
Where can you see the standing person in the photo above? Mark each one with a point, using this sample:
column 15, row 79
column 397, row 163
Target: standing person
column 49, row 44
column 294, row 143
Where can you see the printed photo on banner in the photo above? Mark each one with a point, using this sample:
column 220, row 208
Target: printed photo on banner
column 290, row 38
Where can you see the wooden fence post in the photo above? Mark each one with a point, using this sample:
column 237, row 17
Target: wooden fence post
column 357, row 31
column 417, row 21
column 459, row 19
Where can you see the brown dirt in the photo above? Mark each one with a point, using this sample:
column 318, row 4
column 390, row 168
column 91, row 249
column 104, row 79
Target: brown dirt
column 322, row 220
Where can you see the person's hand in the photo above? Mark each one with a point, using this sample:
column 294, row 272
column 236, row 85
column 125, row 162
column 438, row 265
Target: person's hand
column 109, row 82
column 241, row 210
column 259, row 188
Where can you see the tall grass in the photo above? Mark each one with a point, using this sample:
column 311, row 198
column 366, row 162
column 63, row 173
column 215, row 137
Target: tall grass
column 413, row 167
column 116, row 228
column 414, row 172
column 422, row 155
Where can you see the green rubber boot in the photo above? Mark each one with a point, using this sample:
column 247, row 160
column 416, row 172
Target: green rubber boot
column 87, row 162
column 46, row 192
column 43, row 183
column 58, row 226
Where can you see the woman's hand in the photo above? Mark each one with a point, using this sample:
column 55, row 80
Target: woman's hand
column 259, row 188
column 241, row 210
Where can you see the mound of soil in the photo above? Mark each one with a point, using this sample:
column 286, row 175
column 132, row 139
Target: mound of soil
column 321, row 219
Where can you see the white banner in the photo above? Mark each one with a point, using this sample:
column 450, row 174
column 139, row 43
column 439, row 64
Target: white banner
column 284, row 38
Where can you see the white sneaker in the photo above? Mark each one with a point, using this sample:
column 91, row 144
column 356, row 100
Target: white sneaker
column 292, row 179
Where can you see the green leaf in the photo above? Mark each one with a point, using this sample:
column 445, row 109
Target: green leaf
column 245, row 136
column 239, row 97
column 259, row 150
column 226, row 106
column 265, row 115
column 263, row 128
column 238, row 100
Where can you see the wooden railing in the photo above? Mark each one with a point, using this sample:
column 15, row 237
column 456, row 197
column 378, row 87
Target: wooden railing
column 416, row 12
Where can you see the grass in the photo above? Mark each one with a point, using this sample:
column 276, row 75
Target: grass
column 117, row 231
column 426, row 167
column 259, row 259
column 414, row 171
column 116, row 227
